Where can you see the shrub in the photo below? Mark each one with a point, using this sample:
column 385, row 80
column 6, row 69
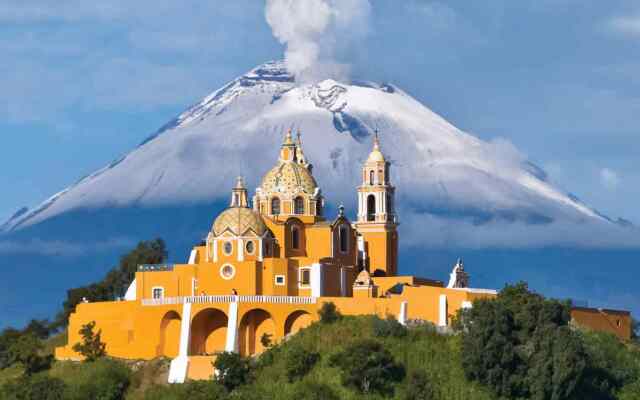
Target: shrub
column 417, row 387
column 368, row 367
column 104, row 379
column 232, row 370
column 329, row 313
column 92, row 346
column 298, row 362
column 7, row 338
column 192, row 390
column 26, row 351
column 266, row 340
column 36, row 387
column 519, row 345
column 388, row 327
column 313, row 391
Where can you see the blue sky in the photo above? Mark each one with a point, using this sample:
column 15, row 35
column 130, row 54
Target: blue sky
column 82, row 82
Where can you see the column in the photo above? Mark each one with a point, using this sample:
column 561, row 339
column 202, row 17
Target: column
column 402, row 317
column 231, row 344
column 442, row 319
column 180, row 364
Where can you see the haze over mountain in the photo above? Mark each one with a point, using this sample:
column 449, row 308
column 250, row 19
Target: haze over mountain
column 455, row 191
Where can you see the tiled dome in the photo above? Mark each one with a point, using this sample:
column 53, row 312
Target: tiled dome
column 288, row 177
column 239, row 221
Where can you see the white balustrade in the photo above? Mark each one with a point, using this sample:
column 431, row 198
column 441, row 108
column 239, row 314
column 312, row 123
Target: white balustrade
column 206, row 299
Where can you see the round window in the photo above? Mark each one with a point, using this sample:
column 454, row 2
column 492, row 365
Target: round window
column 250, row 247
column 227, row 271
column 228, row 248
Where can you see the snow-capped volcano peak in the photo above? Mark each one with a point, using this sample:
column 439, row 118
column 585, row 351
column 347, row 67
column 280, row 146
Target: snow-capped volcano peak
column 440, row 171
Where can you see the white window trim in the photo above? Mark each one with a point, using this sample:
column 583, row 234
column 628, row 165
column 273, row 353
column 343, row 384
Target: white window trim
column 300, row 284
column 153, row 289
column 233, row 273
column 284, row 280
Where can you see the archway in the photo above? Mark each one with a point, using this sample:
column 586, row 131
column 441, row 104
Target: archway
column 169, row 335
column 371, row 207
column 253, row 326
column 208, row 332
column 296, row 321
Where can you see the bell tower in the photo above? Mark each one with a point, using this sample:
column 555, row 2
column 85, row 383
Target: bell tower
column 377, row 223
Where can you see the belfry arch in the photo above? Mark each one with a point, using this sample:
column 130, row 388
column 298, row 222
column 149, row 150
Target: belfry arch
column 253, row 326
column 371, row 207
column 208, row 332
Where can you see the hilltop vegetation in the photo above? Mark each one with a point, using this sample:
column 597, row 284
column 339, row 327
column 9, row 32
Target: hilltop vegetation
column 517, row 346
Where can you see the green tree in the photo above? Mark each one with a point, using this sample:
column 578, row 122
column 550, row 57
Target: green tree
column 298, row 362
column 367, row 367
column 92, row 347
column 519, row 344
column 313, row 391
column 417, row 387
column 266, row 340
column 36, row 387
column 27, row 350
column 232, row 370
column 7, row 338
column 104, row 379
column 329, row 313
column 388, row 327
column 635, row 330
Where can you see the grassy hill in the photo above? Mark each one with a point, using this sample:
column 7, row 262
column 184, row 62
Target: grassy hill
column 417, row 349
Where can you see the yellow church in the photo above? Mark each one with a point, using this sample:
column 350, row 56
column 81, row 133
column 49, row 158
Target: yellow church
column 267, row 266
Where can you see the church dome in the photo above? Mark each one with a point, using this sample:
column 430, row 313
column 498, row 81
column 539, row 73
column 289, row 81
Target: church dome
column 239, row 221
column 288, row 177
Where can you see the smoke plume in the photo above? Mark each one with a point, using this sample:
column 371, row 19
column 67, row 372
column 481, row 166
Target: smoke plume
column 318, row 34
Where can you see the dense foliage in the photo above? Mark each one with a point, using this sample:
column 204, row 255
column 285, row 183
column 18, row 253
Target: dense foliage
column 91, row 347
column 521, row 346
column 26, row 350
column 299, row 362
column 232, row 370
column 388, row 327
column 368, row 367
column 328, row 313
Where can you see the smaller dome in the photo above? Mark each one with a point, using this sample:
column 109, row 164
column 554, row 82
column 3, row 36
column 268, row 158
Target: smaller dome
column 376, row 154
column 239, row 221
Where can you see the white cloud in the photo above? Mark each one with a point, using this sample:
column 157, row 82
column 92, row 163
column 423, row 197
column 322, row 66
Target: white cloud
column 609, row 178
column 626, row 25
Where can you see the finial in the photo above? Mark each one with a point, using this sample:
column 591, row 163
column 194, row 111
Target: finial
column 376, row 140
column 341, row 210
column 239, row 182
column 288, row 138
column 299, row 137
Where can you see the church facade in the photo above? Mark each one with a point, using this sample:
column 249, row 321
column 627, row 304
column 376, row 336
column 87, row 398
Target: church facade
column 266, row 268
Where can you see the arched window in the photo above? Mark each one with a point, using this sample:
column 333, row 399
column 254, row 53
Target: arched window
column 295, row 237
column 371, row 207
column 371, row 177
column 319, row 209
column 343, row 237
column 275, row 206
column 298, row 206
